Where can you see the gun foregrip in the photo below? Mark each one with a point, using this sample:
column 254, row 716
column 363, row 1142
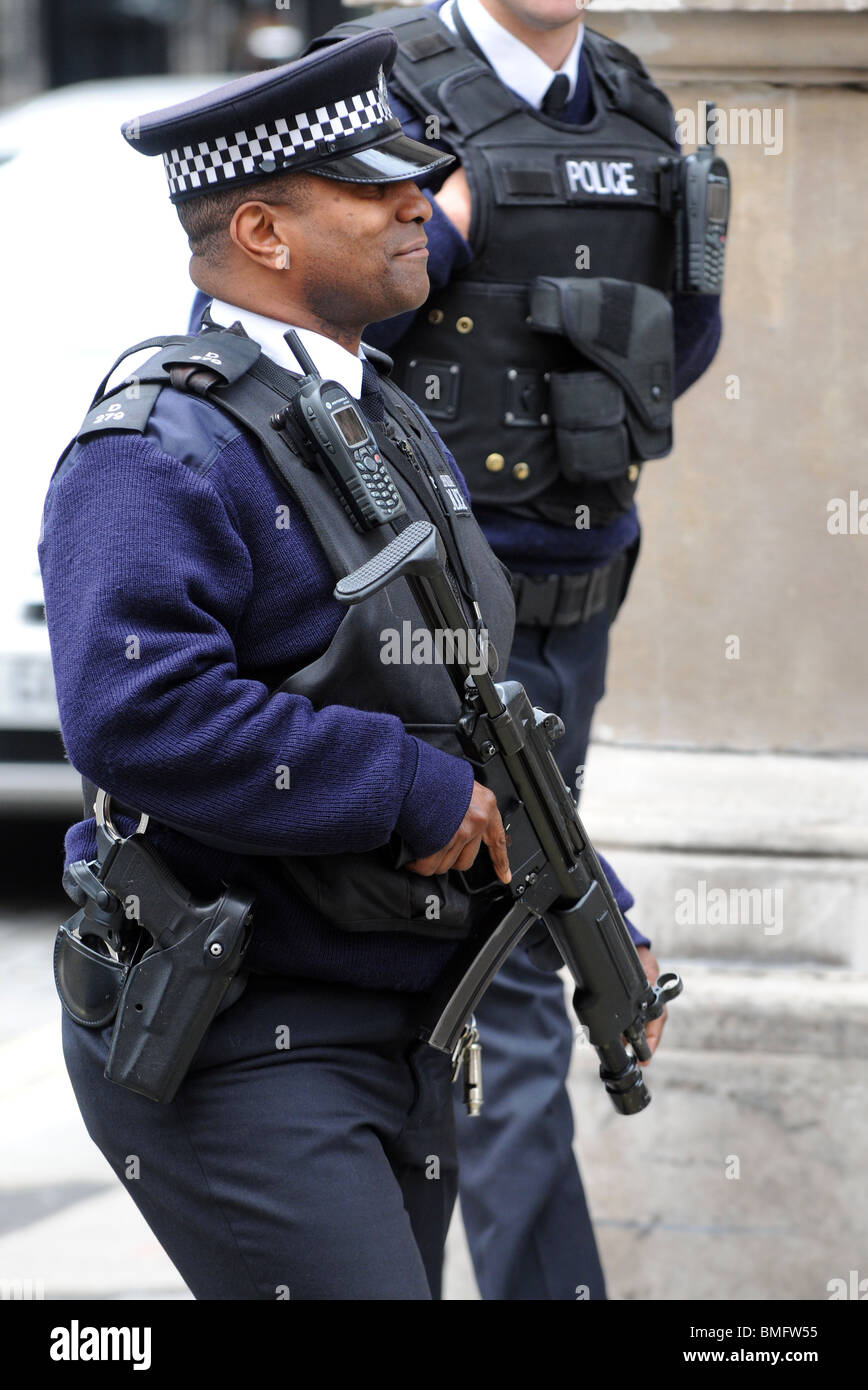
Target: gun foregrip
column 610, row 983
column 612, row 994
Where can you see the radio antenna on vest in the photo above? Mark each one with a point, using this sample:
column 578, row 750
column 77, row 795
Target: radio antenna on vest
column 710, row 113
column 301, row 354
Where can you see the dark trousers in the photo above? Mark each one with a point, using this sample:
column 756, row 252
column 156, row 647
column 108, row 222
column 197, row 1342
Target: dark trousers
column 321, row 1170
column 524, row 1207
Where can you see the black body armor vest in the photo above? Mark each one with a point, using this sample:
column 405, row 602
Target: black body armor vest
column 371, row 891
column 548, row 363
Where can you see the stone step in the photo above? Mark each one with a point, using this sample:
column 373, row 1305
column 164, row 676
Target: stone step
column 763, row 909
column 742, row 1179
column 735, row 803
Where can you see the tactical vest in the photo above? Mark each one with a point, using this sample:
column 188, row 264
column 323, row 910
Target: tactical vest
column 548, row 363
column 370, row 891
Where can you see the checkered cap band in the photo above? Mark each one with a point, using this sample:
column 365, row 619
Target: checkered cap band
column 226, row 157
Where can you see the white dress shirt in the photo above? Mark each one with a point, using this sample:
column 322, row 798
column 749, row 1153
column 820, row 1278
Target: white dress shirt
column 515, row 64
column 332, row 361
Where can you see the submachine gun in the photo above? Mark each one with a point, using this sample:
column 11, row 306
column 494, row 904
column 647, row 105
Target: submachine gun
column 557, row 879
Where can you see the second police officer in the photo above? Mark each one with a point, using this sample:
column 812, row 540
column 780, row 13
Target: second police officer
column 549, row 355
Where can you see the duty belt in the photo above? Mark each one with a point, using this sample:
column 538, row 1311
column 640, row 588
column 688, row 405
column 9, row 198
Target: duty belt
column 563, row 600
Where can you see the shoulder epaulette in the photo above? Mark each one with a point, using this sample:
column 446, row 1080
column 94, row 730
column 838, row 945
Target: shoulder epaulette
column 193, row 363
column 127, row 409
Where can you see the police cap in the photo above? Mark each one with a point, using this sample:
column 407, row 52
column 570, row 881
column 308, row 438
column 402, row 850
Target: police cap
column 327, row 113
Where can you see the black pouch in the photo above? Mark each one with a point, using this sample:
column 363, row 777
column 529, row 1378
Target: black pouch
column 589, row 415
column 374, row 892
column 616, row 410
column 94, row 949
column 89, row 982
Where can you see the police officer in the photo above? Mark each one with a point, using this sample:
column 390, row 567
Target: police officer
column 551, row 402
column 207, row 678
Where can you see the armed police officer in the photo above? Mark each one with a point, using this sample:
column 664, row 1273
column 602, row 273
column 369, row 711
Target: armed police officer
column 548, row 354
column 247, row 754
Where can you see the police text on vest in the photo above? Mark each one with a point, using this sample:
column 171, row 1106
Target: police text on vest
column 602, row 176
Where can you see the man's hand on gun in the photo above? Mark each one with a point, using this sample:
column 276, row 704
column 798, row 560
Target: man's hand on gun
column 482, row 824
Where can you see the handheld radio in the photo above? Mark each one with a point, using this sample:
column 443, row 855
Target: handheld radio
column 703, row 217
column 342, row 440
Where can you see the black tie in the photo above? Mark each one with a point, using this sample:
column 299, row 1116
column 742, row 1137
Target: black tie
column 371, row 399
column 555, row 100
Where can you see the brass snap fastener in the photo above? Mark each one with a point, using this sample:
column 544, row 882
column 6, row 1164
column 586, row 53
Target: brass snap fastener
column 521, row 471
column 464, row 324
column 495, row 462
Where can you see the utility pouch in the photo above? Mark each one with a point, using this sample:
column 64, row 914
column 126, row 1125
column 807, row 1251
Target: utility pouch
column 617, row 409
column 589, row 415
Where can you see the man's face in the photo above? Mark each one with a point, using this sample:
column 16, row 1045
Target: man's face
column 540, row 14
column 359, row 250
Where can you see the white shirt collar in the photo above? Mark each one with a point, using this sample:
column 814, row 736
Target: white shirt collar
column 332, row 361
column 515, row 64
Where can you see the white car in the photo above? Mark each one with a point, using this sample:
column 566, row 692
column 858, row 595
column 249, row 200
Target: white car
column 93, row 259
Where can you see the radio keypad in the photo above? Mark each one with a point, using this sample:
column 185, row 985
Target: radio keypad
column 381, row 489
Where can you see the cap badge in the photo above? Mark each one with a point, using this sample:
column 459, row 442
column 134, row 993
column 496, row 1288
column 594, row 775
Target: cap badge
column 383, row 93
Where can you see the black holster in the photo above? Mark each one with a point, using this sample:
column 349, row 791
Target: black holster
column 143, row 952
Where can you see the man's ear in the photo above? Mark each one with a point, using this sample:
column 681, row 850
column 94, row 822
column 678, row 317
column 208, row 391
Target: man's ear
column 255, row 231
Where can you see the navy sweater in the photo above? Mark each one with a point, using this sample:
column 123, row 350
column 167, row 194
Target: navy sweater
column 175, row 604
